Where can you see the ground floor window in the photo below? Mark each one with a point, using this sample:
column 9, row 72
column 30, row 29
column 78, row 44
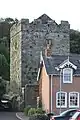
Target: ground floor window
column 61, row 99
column 73, row 99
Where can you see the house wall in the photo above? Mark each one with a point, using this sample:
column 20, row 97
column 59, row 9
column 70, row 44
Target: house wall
column 69, row 87
column 40, row 91
column 44, row 89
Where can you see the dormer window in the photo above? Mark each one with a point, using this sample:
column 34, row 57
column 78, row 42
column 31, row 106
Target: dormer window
column 67, row 75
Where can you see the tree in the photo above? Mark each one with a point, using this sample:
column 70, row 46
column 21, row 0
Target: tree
column 4, row 49
column 5, row 25
column 74, row 41
column 2, row 87
column 4, row 67
column 9, row 20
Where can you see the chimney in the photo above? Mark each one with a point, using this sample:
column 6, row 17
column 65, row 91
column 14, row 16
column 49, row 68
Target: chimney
column 48, row 49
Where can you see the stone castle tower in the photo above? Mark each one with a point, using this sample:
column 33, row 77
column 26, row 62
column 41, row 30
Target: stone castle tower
column 28, row 40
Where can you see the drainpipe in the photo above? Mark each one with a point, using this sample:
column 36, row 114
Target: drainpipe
column 51, row 96
column 60, row 87
column 60, row 69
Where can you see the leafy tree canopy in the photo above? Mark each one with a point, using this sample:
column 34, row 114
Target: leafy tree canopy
column 4, row 67
column 4, row 49
column 2, row 87
column 75, row 41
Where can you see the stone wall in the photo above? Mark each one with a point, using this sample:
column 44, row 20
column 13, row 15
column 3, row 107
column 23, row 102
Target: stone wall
column 32, row 38
column 15, row 58
column 31, row 94
column 36, row 36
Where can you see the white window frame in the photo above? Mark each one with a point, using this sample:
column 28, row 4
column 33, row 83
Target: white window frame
column 64, row 106
column 70, row 106
column 71, row 75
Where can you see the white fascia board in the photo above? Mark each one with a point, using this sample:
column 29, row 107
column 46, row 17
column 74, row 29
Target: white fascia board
column 74, row 66
column 38, row 74
column 41, row 57
column 41, row 60
column 67, row 63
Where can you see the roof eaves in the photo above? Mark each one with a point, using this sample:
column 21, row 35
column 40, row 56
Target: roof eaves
column 66, row 62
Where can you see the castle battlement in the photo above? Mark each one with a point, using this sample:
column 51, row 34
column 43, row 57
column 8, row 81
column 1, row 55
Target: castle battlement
column 24, row 21
column 43, row 21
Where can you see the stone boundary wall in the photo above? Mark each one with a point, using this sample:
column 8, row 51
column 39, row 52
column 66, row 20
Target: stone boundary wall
column 31, row 93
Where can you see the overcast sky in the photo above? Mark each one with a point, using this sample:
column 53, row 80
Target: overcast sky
column 56, row 9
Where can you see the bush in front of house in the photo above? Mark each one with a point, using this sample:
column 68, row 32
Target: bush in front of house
column 35, row 111
column 32, row 111
column 37, row 114
column 38, row 117
column 26, row 110
column 40, row 111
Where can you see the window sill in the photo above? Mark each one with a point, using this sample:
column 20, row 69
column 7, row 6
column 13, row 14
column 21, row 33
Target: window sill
column 73, row 106
column 61, row 106
column 67, row 82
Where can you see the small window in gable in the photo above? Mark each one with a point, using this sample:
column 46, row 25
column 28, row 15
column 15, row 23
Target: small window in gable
column 67, row 75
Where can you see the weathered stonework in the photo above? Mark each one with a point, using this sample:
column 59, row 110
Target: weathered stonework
column 15, row 58
column 31, row 94
column 29, row 39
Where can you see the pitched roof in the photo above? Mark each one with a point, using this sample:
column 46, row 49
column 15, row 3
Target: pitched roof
column 67, row 63
column 44, row 17
column 56, row 60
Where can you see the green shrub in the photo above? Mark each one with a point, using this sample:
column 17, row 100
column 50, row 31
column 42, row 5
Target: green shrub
column 39, row 117
column 40, row 111
column 26, row 110
column 32, row 111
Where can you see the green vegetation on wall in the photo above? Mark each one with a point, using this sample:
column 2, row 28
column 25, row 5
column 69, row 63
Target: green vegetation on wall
column 75, row 41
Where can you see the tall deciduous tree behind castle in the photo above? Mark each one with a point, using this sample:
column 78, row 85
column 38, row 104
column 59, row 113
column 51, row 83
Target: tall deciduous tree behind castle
column 5, row 25
column 75, row 41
